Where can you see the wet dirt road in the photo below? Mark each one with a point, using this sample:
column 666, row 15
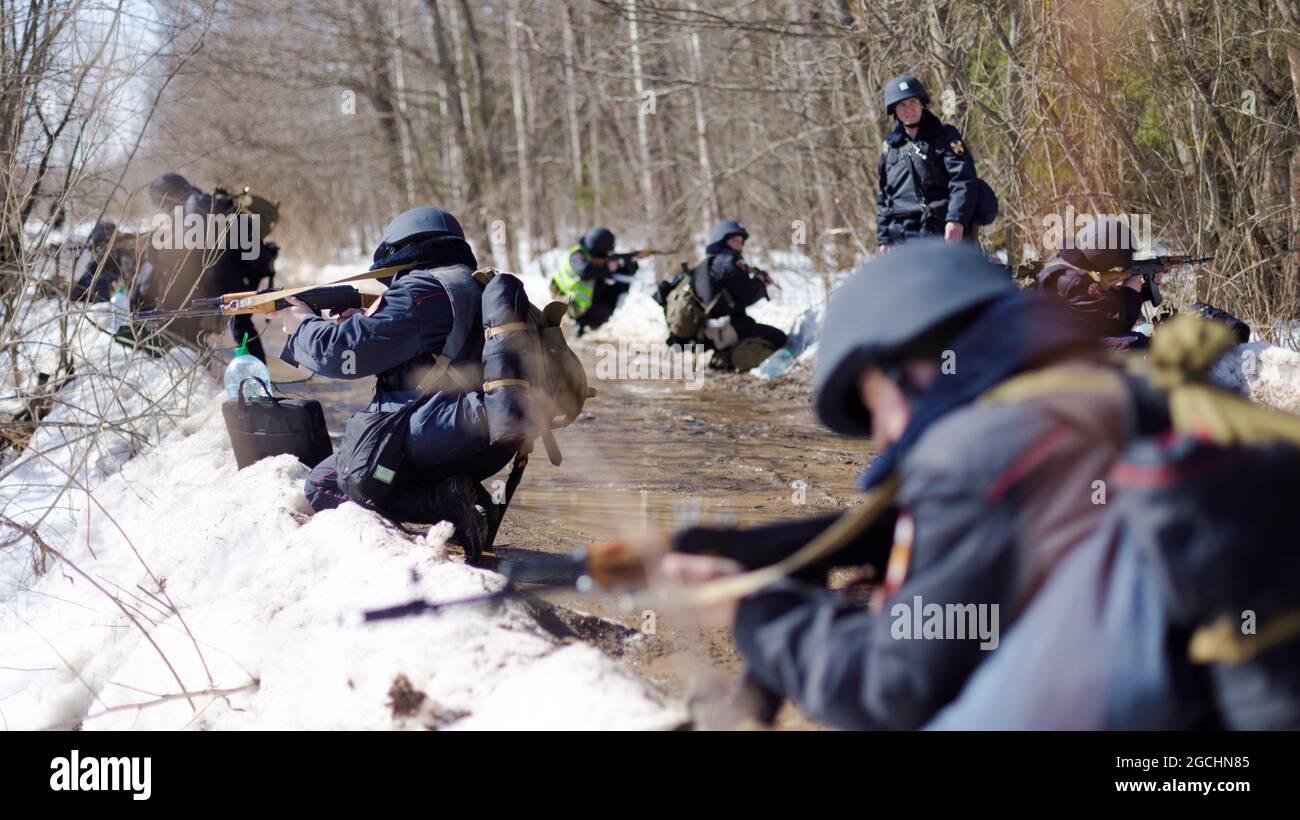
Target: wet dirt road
column 654, row 454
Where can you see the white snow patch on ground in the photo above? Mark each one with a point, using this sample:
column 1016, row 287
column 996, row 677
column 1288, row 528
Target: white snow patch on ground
column 208, row 580
column 1269, row 375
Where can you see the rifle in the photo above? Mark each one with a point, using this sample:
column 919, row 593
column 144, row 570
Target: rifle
column 630, row 255
column 763, row 276
column 608, row 568
column 335, row 298
column 624, row 258
column 616, row 567
column 1148, row 268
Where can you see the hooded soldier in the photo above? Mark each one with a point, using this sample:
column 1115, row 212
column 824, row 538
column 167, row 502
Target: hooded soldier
column 995, row 412
column 423, row 337
column 927, row 180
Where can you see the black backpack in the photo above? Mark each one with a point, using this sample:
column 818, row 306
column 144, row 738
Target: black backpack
column 986, row 203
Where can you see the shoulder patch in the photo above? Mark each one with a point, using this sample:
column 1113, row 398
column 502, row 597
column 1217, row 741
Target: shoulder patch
column 957, row 147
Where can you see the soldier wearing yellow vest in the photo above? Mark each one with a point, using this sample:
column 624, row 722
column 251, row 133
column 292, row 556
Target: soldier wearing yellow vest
column 592, row 278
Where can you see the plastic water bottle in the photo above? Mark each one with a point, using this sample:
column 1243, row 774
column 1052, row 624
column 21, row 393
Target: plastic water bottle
column 121, row 309
column 246, row 365
column 776, row 364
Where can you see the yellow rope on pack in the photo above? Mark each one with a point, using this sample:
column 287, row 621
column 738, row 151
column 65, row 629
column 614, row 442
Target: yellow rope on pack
column 1223, row 642
column 1182, row 353
column 845, row 529
column 1181, row 356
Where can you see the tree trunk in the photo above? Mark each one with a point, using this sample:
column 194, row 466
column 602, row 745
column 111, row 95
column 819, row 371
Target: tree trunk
column 483, row 110
column 403, row 127
column 712, row 208
column 571, row 106
column 649, row 206
column 455, row 114
column 513, row 26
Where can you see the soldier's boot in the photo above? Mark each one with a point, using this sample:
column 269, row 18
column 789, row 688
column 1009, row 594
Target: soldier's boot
column 449, row 499
column 720, row 360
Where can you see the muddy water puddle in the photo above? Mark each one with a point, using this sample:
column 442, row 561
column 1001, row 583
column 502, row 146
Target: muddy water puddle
column 657, row 454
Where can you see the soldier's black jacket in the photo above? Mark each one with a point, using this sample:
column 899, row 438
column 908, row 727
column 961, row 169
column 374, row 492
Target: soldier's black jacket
column 1112, row 311
column 924, row 182
column 726, row 275
column 108, row 266
column 994, row 492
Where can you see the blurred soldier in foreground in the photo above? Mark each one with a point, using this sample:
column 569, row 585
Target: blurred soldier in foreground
column 1131, row 537
column 995, row 411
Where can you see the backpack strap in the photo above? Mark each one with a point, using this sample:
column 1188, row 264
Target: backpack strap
column 512, row 483
column 455, row 282
column 1223, row 642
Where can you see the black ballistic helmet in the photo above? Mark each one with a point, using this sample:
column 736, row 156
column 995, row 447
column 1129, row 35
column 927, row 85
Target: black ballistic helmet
column 1105, row 244
column 170, row 188
column 726, row 229
column 599, row 241
column 903, row 88
column 102, row 232
column 887, row 310
column 424, row 222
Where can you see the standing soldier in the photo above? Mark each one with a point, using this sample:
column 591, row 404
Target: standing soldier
column 928, row 184
column 593, row 277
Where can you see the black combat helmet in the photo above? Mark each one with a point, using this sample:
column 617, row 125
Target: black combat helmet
column 170, row 189
column 411, row 236
column 424, row 222
column 599, row 241
column 904, row 88
column 726, row 229
column 1105, row 244
column 102, row 232
column 889, row 307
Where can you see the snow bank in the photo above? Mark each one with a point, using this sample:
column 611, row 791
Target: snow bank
column 1269, row 375
column 184, row 575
